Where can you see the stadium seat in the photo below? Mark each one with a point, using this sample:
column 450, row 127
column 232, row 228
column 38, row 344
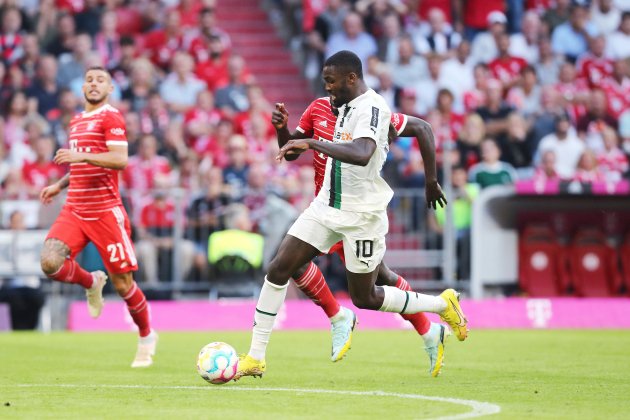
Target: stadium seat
column 624, row 256
column 593, row 264
column 542, row 262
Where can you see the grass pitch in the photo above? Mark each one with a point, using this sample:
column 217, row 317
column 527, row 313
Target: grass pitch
column 529, row 374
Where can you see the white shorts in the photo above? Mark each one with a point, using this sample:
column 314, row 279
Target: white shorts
column 363, row 234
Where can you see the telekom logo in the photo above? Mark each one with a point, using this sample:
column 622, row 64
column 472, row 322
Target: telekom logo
column 539, row 312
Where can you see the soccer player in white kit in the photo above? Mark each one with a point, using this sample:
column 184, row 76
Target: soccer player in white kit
column 351, row 207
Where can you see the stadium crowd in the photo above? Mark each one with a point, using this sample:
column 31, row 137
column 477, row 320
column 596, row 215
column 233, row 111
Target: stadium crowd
column 535, row 92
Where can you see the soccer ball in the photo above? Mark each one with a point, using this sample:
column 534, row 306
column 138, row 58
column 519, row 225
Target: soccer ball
column 217, row 363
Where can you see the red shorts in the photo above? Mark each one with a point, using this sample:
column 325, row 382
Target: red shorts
column 338, row 249
column 110, row 234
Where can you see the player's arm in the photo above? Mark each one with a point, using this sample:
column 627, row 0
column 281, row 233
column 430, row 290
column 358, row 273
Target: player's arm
column 356, row 152
column 280, row 120
column 114, row 158
column 423, row 133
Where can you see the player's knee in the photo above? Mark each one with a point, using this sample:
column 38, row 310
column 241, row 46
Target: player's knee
column 386, row 277
column 278, row 272
column 300, row 271
column 122, row 283
column 364, row 301
column 51, row 263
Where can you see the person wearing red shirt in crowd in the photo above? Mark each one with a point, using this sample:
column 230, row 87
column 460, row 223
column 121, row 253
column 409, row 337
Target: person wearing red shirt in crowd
column 11, row 39
column 617, row 89
column 476, row 97
column 208, row 28
column 593, row 66
column 587, row 170
column 212, row 61
column 258, row 107
column 213, row 147
column 612, row 161
column 449, row 118
column 591, row 125
column 42, row 171
column 475, row 14
column 188, row 10
column 573, row 91
column 318, row 122
column 162, row 44
column 200, row 120
column 146, row 170
column 93, row 211
column 506, row 68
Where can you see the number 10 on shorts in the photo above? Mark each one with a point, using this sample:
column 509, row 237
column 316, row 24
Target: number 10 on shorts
column 364, row 248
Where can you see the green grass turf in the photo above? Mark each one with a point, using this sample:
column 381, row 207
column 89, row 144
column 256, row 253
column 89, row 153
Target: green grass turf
column 541, row 374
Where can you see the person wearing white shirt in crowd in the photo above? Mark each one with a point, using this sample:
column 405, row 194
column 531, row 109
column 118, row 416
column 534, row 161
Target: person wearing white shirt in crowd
column 567, row 146
column 352, row 38
column 181, row 87
column 428, row 87
column 605, row 16
column 525, row 43
column 410, row 68
column 438, row 36
column 484, row 46
column 456, row 74
column 618, row 43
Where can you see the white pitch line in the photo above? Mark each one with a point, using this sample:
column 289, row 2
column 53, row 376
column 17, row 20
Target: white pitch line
column 479, row 408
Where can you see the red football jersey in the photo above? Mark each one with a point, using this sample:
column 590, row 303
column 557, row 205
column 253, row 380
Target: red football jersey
column 618, row 95
column 94, row 189
column 39, row 175
column 594, row 69
column 507, row 69
column 318, row 122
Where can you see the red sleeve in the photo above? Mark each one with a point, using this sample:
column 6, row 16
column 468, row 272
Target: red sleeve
column 306, row 121
column 114, row 129
column 399, row 121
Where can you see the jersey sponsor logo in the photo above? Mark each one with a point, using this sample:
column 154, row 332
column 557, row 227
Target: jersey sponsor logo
column 374, row 120
column 323, row 123
column 90, row 126
column 117, row 131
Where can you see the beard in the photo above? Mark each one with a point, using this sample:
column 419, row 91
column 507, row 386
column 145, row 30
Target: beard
column 95, row 101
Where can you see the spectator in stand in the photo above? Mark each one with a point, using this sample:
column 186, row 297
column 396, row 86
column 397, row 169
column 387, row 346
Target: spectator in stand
column 107, row 40
column 566, row 145
column 410, row 68
column 491, row 170
column 154, row 117
column 525, row 97
column 147, row 170
column 573, row 92
column 469, row 142
column 571, row 38
column 525, row 44
column 427, row 88
column 187, row 174
column 206, row 214
column 593, row 66
column 11, row 36
column 15, row 120
column 128, row 56
column 44, row 22
column 546, row 169
column 617, row 88
column 89, row 18
column 162, row 44
column 208, row 28
column 134, row 131
column 232, row 98
column 352, row 38
column 605, row 16
column 370, row 74
column 258, row 107
column 516, row 144
column 548, row 64
column 481, row 15
column 451, row 120
column 214, row 69
column 32, row 52
column 558, row 14
column 407, row 102
column 44, row 88
column 155, row 245
column 72, row 65
column 213, row 148
column 612, row 161
column 476, row 97
column 5, row 166
column 374, row 12
column 61, row 116
column 181, row 87
column 388, row 42
column 201, row 120
column 456, row 74
column 41, row 172
column 618, row 45
column 189, row 10
column 587, row 170
column 543, row 122
column 496, row 110
column 484, row 45
column 506, row 68
column 63, row 40
column 174, row 145
column 387, row 89
column 235, row 172
column 439, row 38
column 142, row 82
column 591, row 125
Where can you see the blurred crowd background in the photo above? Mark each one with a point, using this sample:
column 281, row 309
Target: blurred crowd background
column 514, row 90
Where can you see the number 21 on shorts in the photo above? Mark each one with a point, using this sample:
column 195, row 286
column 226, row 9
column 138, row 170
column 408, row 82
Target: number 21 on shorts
column 116, row 252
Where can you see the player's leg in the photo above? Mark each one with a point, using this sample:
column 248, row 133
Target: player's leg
column 111, row 236
column 307, row 238
column 63, row 242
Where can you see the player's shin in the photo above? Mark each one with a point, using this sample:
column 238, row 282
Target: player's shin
column 313, row 284
column 72, row 272
column 419, row 321
column 269, row 303
column 138, row 309
column 405, row 302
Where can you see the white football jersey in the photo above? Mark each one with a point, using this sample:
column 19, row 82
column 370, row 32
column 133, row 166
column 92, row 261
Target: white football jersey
column 353, row 187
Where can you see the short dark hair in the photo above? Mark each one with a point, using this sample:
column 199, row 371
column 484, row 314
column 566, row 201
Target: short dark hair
column 100, row 68
column 346, row 61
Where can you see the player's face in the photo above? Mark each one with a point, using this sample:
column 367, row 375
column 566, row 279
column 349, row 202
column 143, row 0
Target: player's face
column 336, row 84
column 97, row 86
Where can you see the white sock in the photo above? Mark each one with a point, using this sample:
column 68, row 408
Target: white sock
column 269, row 303
column 403, row 302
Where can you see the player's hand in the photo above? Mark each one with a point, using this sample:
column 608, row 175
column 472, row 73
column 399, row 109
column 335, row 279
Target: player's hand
column 49, row 192
column 280, row 116
column 434, row 195
column 293, row 147
column 66, row 156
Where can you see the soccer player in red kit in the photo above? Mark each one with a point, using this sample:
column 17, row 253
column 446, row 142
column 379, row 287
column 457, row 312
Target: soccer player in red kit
column 93, row 210
column 318, row 122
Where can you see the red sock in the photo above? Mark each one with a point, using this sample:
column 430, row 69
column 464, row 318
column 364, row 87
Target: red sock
column 419, row 321
column 138, row 309
column 313, row 284
column 71, row 272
